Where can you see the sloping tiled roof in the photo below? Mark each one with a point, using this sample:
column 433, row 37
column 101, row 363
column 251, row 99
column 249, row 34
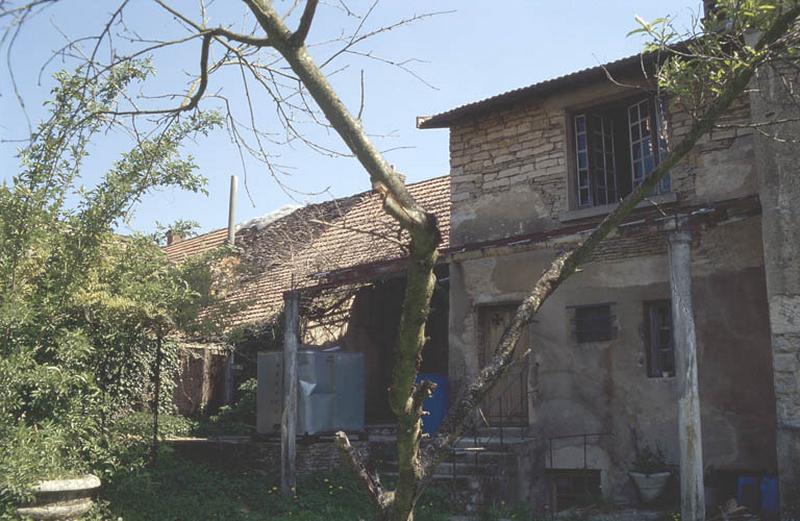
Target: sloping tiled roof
column 304, row 248
column 185, row 248
column 569, row 81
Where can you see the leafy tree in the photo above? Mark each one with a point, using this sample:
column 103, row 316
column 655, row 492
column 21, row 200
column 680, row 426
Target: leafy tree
column 83, row 310
column 708, row 73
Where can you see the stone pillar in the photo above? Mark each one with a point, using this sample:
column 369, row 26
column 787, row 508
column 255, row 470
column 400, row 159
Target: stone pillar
column 690, row 438
column 777, row 156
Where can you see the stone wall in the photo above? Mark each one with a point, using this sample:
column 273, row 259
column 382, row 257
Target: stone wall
column 603, row 387
column 511, row 174
column 511, row 170
column 777, row 161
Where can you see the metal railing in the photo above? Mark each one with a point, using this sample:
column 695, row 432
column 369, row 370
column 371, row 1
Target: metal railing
column 486, row 432
column 584, row 436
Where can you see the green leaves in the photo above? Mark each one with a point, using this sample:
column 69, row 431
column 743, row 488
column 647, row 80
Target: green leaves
column 698, row 64
column 81, row 306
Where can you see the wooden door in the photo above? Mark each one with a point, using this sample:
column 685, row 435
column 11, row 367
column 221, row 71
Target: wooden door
column 507, row 402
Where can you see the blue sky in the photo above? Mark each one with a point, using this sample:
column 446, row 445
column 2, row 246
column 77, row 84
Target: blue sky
column 479, row 50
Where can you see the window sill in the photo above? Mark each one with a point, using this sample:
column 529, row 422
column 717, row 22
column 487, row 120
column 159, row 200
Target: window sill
column 594, row 211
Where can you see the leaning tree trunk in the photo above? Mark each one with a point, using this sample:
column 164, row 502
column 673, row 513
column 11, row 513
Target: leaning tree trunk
column 405, row 395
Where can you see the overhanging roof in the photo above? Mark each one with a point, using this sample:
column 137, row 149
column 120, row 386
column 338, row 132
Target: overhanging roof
column 541, row 89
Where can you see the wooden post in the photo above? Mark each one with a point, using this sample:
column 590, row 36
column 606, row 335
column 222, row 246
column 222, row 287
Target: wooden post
column 156, row 397
column 690, row 437
column 289, row 419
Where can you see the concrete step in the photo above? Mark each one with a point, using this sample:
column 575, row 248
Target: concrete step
column 489, row 441
column 437, row 476
column 477, row 463
column 480, row 452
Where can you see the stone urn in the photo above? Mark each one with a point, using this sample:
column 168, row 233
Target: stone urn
column 67, row 498
column 650, row 486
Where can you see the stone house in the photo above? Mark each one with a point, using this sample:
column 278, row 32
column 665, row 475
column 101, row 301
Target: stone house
column 532, row 171
column 600, row 381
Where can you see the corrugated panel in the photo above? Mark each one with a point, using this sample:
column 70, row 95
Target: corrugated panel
column 543, row 88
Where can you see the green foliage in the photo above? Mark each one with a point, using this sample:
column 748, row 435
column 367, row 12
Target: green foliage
column 520, row 511
column 81, row 308
column 179, row 489
column 139, row 425
column 701, row 63
column 237, row 419
column 182, row 227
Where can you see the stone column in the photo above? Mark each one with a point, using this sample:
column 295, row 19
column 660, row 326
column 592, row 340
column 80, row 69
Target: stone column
column 777, row 159
column 690, row 438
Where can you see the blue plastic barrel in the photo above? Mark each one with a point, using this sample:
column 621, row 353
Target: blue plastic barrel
column 436, row 405
column 748, row 492
column 769, row 496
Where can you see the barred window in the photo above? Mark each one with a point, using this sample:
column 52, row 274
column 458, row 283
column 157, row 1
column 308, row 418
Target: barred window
column 594, row 323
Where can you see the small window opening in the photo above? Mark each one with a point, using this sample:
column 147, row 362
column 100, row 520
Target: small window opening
column 594, row 323
column 574, row 488
column 659, row 339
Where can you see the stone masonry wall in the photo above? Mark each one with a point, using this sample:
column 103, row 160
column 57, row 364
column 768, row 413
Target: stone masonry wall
column 777, row 161
column 511, row 169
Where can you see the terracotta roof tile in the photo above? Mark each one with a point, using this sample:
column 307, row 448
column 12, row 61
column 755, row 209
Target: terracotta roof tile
column 316, row 239
column 185, row 248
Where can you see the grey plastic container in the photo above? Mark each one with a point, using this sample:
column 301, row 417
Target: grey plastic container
column 330, row 391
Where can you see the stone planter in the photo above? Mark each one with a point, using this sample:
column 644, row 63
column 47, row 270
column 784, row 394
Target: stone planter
column 61, row 498
column 650, row 486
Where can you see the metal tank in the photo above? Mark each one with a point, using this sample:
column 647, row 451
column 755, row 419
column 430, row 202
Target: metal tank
column 330, row 391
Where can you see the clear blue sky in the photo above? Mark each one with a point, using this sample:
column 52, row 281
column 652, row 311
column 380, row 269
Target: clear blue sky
column 482, row 49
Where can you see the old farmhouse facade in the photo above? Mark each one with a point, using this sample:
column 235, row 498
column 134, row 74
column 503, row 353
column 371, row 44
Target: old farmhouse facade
column 596, row 380
column 532, row 171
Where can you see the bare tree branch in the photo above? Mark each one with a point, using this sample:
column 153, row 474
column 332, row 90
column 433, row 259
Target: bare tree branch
column 299, row 37
column 381, row 497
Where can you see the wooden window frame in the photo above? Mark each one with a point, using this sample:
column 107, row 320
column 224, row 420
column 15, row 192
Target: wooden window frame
column 654, row 345
column 582, row 185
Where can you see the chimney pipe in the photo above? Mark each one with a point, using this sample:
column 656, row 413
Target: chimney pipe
column 232, row 213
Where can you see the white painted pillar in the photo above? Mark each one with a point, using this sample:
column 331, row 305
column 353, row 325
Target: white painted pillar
column 690, row 436
column 289, row 418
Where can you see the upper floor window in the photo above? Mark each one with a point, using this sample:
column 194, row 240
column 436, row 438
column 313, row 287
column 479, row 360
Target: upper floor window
column 616, row 147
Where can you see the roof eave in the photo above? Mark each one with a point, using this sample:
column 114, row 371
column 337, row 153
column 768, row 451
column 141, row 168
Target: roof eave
column 537, row 90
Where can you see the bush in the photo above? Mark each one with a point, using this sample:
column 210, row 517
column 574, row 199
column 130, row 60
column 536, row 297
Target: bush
column 237, row 419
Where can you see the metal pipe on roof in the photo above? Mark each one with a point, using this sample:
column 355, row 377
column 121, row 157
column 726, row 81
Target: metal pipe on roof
column 232, row 212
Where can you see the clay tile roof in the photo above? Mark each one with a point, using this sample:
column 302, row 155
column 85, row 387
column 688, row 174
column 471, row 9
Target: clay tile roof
column 185, row 248
column 307, row 246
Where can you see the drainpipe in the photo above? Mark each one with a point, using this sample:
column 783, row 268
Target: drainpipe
column 232, row 213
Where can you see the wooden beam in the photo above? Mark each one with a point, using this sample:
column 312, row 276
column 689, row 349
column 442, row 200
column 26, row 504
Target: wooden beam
column 690, row 438
column 289, row 419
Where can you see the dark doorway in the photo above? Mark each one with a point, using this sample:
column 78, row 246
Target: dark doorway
column 507, row 402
